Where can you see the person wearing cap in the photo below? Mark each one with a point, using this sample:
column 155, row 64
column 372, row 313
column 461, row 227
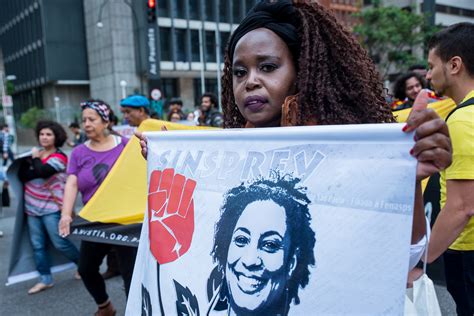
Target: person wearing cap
column 135, row 109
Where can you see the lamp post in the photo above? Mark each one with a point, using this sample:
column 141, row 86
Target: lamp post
column 123, row 84
column 100, row 25
column 56, row 107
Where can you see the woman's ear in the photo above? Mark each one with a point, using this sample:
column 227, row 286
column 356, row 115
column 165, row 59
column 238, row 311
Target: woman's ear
column 293, row 260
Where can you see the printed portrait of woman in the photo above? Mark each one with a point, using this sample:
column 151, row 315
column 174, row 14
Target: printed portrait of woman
column 264, row 245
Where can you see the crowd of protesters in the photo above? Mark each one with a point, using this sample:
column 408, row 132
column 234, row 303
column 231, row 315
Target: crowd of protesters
column 344, row 91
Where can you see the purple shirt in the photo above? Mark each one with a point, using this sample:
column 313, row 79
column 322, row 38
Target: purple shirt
column 91, row 167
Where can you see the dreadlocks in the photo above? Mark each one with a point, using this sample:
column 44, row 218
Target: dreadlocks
column 337, row 83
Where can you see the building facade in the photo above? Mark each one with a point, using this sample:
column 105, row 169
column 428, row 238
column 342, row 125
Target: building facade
column 191, row 36
column 344, row 10
column 442, row 12
column 65, row 51
column 43, row 46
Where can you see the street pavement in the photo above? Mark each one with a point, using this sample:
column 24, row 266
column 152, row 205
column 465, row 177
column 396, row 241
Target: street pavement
column 69, row 297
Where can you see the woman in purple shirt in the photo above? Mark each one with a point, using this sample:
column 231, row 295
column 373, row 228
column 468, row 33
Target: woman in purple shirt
column 89, row 165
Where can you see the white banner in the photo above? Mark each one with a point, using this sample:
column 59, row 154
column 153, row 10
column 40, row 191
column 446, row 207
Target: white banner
column 299, row 221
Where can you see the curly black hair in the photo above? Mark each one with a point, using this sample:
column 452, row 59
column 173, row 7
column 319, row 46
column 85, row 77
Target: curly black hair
column 337, row 83
column 60, row 135
column 399, row 86
column 286, row 192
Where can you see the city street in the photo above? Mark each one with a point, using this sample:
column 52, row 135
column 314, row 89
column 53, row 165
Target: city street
column 67, row 297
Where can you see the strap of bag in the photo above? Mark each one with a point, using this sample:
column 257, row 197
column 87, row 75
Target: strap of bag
column 462, row 105
column 428, row 216
column 55, row 198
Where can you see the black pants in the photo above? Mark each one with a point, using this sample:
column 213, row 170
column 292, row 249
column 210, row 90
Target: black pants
column 459, row 270
column 91, row 256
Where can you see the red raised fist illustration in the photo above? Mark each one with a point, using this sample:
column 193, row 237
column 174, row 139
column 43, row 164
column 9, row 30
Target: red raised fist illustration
column 170, row 214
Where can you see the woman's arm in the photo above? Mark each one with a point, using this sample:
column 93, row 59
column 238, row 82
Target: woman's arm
column 419, row 220
column 42, row 170
column 70, row 194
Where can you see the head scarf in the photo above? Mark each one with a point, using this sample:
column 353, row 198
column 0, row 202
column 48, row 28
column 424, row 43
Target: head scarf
column 278, row 16
column 99, row 106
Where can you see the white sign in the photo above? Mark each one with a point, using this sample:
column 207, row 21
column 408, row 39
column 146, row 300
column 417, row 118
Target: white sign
column 156, row 94
column 7, row 100
column 277, row 221
column 125, row 130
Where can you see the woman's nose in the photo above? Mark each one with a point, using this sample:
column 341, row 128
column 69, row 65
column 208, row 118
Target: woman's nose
column 251, row 258
column 253, row 81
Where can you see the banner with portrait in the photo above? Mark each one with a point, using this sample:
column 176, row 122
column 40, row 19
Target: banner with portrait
column 299, row 220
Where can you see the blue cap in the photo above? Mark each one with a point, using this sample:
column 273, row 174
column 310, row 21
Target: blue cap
column 135, row 101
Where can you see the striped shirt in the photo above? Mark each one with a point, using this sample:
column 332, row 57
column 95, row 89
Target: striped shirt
column 45, row 196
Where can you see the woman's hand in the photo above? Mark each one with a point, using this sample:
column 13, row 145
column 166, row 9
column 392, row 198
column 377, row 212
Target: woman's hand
column 64, row 225
column 143, row 143
column 35, row 152
column 432, row 143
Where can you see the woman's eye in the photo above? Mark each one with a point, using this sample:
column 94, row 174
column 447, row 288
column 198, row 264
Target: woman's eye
column 239, row 73
column 271, row 246
column 268, row 67
column 241, row 241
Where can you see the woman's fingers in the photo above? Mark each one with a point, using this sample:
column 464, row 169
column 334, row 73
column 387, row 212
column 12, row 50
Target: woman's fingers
column 418, row 117
column 65, row 226
column 143, row 143
column 432, row 146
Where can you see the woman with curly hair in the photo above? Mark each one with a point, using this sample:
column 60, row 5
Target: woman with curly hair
column 406, row 89
column 290, row 63
column 264, row 245
column 44, row 178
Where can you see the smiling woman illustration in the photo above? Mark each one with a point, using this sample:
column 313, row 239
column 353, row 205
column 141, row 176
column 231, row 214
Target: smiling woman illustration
column 263, row 245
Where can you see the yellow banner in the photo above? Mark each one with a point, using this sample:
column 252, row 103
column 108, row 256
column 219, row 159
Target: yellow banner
column 122, row 196
column 442, row 107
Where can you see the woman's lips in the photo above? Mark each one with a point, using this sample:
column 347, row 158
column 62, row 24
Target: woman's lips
column 250, row 284
column 255, row 103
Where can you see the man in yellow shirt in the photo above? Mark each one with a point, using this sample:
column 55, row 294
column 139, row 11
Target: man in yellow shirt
column 451, row 71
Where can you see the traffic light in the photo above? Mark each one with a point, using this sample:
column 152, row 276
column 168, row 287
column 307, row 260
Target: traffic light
column 151, row 11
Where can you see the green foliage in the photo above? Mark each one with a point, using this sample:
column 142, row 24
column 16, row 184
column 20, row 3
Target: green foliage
column 391, row 34
column 32, row 116
column 10, row 87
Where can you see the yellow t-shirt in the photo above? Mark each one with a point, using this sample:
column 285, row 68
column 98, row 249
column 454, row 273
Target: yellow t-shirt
column 461, row 130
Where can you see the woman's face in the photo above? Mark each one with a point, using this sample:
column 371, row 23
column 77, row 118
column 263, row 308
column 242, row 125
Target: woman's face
column 257, row 262
column 412, row 88
column 94, row 126
column 175, row 117
column 46, row 138
column 263, row 76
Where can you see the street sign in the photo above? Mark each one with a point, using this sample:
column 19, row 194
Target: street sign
column 7, row 100
column 155, row 94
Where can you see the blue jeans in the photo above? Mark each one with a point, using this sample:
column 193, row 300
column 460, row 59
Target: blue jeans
column 39, row 227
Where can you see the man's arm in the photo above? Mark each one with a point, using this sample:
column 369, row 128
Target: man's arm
column 452, row 219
